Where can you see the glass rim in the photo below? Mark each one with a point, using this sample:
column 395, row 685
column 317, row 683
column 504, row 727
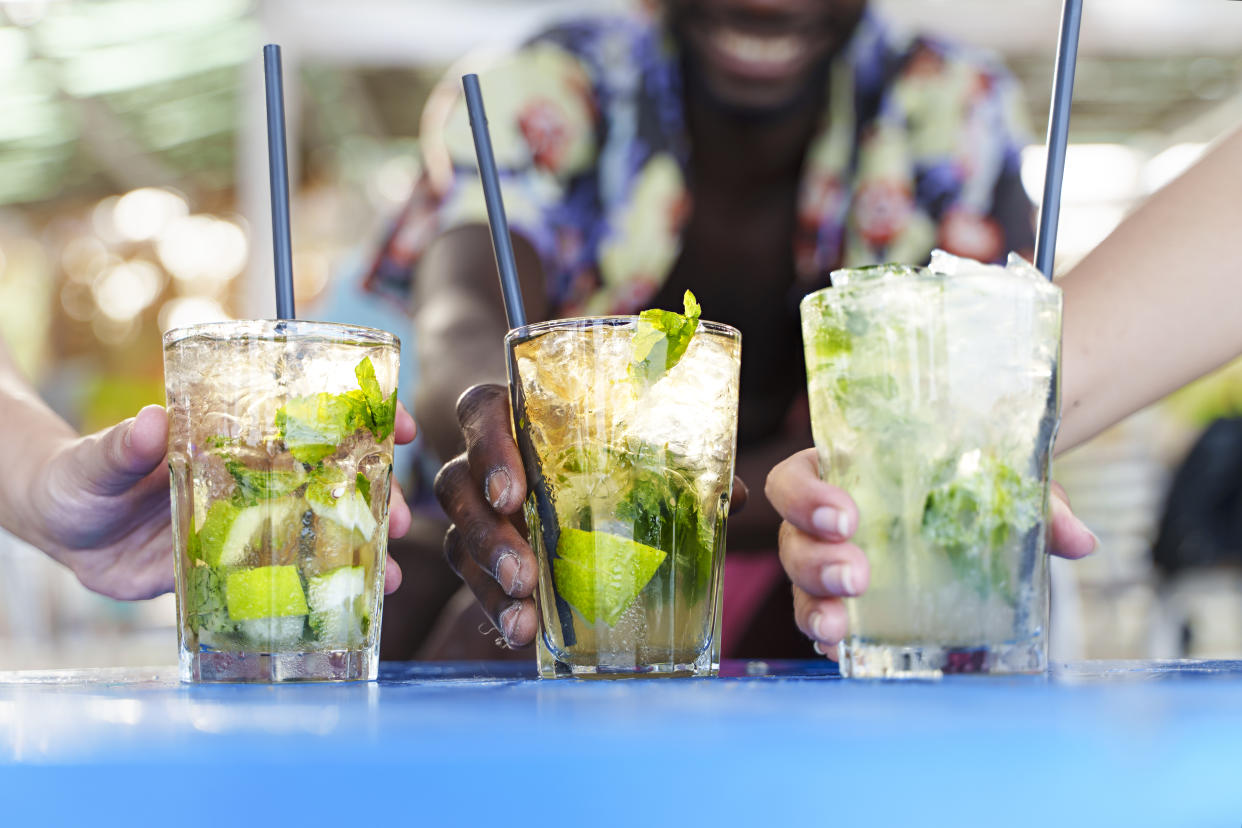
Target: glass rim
column 923, row 274
column 294, row 329
column 581, row 322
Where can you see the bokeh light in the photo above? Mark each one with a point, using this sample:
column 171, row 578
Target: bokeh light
column 83, row 257
column 141, row 214
column 202, row 249
column 190, row 310
column 124, row 290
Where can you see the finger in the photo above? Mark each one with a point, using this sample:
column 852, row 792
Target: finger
column 392, row 576
column 113, row 461
column 516, row 619
column 491, row 540
column 398, row 512
column 741, row 494
column 822, row 570
column 483, row 412
column 1070, row 537
column 404, row 428
column 809, row 503
column 823, row 620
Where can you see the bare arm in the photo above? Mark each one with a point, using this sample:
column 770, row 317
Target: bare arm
column 1157, row 304
column 459, row 325
column 29, row 438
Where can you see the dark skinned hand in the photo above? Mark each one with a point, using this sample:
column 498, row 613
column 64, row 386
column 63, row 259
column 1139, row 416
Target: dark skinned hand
column 482, row 491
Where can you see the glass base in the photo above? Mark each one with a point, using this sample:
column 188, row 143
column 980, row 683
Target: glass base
column 551, row 667
column 328, row 665
column 866, row 659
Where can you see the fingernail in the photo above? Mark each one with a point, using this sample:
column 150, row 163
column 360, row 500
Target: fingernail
column 508, row 621
column 815, row 646
column 128, row 438
column 816, row 619
column 828, row 519
column 497, row 487
column 508, row 572
column 838, row 579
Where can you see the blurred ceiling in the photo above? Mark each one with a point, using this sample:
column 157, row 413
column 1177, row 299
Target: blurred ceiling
column 102, row 97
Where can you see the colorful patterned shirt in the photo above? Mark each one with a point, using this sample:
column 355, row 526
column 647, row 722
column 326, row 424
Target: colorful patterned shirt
column 919, row 148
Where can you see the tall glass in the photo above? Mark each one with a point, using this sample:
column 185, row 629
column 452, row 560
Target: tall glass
column 934, row 403
column 280, row 450
column 630, row 477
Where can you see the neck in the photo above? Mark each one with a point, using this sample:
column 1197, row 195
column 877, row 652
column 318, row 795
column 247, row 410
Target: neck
column 751, row 149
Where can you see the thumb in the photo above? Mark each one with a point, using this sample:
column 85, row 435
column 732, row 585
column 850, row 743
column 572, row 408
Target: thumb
column 112, row 461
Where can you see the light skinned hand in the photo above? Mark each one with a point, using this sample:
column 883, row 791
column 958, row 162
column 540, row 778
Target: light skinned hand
column 825, row 567
column 482, row 491
column 101, row 505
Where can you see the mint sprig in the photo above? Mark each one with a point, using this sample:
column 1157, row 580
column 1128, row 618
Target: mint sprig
column 662, row 339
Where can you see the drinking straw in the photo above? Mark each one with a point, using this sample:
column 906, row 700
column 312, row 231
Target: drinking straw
column 1058, row 135
column 278, row 166
column 515, row 312
column 503, row 247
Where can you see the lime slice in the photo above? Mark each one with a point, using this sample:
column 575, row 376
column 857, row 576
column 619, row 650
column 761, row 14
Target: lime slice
column 230, row 532
column 600, row 574
column 334, row 497
column 336, row 605
column 264, row 592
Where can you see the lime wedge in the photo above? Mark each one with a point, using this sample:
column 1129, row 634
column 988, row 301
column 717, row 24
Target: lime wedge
column 264, row 592
column 600, row 574
column 332, row 496
column 336, row 605
column 230, row 532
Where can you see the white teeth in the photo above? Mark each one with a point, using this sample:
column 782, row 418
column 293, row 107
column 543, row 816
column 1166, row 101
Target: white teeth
column 754, row 49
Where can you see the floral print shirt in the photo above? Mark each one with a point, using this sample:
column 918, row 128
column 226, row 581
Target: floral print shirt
column 919, row 148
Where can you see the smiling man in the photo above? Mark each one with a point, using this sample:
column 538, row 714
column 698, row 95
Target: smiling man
column 741, row 149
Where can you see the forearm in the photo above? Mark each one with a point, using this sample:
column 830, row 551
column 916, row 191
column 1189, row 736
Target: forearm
column 459, row 325
column 1156, row 304
column 31, row 434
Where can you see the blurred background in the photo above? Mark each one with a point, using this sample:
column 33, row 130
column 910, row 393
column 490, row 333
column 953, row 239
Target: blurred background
column 134, row 198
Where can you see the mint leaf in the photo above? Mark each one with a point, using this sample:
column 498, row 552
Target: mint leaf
column 364, row 487
column 978, row 517
column 381, row 413
column 662, row 339
column 312, row 427
column 254, row 485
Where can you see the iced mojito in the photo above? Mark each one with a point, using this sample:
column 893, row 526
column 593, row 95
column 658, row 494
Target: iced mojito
column 280, row 450
column 934, row 404
column 628, row 428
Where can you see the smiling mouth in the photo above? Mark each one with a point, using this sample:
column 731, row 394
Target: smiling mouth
column 748, row 48
column 755, row 56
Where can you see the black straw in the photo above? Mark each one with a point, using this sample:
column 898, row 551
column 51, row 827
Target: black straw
column 503, row 247
column 1058, row 136
column 278, row 165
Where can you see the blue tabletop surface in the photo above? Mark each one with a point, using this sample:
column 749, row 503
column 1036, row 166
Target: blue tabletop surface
column 1094, row 743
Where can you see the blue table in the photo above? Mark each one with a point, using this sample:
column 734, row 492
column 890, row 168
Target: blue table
column 1096, row 743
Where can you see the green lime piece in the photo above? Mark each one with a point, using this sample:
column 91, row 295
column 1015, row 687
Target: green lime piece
column 337, row 606
column 231, row 532
column 227, row 533
column 600, row 574
column 265, row 592
column 335, row 497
